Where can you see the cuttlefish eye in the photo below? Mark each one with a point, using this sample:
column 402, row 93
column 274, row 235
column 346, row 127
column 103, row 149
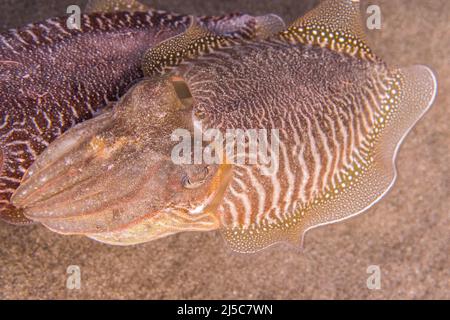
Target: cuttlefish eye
column 195, row 180
column 182, row 91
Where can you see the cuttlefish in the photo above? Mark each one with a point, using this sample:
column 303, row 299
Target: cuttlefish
column 340, row 113
column 53, row 76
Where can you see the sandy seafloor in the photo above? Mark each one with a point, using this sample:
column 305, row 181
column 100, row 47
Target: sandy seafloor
column 407, row 234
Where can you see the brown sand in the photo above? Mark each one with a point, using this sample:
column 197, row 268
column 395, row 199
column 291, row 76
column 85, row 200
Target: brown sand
column 406, row 234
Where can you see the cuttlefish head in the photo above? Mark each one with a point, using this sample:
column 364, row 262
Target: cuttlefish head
column 114, row 177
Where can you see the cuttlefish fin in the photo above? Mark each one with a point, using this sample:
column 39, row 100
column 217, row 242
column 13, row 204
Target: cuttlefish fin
column 334, row 24
column 410, row 93
column 195, row 41
column 115, row 5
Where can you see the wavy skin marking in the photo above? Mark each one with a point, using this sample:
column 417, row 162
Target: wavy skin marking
column 319, row 119
column 338, row 134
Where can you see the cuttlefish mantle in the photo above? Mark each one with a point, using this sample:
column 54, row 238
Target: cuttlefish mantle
column 340, row 111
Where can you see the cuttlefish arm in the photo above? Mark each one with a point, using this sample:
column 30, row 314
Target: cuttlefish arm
column 115, row 171
column 53, row 77
column 340, row 113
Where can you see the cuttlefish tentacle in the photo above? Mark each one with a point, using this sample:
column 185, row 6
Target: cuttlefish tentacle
column 340, row 113
column 53, row 77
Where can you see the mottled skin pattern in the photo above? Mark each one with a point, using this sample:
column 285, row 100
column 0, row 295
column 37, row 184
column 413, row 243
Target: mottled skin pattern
column 322, row 121
column 52, row 78
column 341, row 113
